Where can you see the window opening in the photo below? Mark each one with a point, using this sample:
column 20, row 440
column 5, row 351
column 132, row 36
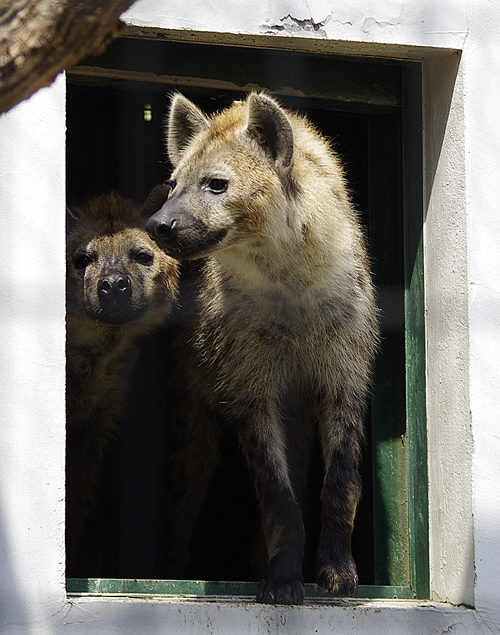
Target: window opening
column 115, row 117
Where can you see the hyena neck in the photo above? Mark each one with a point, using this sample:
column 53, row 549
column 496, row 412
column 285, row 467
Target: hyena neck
column 286, row 267
column 255, row 268
column 97, row 339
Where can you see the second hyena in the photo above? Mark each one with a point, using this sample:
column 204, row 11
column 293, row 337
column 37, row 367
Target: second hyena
column 120, row 286
column 285, row 326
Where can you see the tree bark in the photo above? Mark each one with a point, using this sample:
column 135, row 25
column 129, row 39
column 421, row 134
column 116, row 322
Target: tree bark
column 40, row 38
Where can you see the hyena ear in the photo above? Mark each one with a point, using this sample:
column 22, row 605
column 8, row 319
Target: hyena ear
column 185, row 121
column 72, row 213
column 72, row 218
column 269, row 125
column 155, row 200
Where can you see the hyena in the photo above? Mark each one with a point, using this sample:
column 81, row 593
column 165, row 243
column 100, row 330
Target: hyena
column 282, row 342
column 120, row 285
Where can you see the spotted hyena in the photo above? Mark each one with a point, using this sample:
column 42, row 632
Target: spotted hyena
column 281, row 342
column 120, row 285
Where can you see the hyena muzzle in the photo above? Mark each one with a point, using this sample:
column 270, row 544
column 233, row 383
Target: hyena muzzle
column 284, row 314
column 120, row 285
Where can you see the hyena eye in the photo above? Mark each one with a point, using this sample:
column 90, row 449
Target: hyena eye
column 172, row 183
column 82, row 261
column 218, row 186
column 144, row 258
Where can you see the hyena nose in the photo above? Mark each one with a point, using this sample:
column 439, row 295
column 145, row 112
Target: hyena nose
column 164, row 230
column 115, row 288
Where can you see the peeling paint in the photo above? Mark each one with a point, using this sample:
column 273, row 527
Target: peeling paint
column 457, row 628
column 309, row 26
column 290, row 24
column 369, row 23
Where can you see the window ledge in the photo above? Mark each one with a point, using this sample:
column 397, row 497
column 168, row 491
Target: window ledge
column 170, row 615
column 346, row 603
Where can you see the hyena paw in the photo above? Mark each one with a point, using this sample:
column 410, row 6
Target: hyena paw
column 339, row 578
column 280, row 591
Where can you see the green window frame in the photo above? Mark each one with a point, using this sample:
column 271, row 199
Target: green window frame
column 387, row 95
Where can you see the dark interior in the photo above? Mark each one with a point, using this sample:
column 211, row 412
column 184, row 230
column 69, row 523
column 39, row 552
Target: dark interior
column 115, row 141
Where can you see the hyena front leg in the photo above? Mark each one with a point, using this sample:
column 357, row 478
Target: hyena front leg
column 263, row 446
column 341, row 434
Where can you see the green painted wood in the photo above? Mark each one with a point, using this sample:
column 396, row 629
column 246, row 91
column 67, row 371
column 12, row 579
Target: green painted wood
column 201, row 588
column 389, row 438
column 345, row 82
column 399, row 442
column 415, row 332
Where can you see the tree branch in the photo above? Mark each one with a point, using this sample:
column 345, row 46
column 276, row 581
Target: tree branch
column 40, row 38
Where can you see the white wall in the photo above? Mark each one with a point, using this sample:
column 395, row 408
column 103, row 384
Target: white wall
column 482, row 143
column 462, row 168
column 32, row 360
column 444, row 24
column 447, row 293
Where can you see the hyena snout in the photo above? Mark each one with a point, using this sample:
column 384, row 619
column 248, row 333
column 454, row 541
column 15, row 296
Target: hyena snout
column 115, row 294
column 162, row 229
column 183, row 235
column 115, row 289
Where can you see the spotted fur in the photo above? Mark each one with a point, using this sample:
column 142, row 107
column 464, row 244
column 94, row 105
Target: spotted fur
column 284, row 313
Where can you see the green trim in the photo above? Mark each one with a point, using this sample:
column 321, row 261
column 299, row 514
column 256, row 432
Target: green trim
column 389, row 459
column 399, row 431
column 415, row 331
column 200, row 588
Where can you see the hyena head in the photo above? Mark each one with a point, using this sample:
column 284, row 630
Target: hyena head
column 231, row 176
column 115, row 273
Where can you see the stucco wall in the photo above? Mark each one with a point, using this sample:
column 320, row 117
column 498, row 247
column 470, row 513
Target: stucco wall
column 32, row 360
column 457, row 42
